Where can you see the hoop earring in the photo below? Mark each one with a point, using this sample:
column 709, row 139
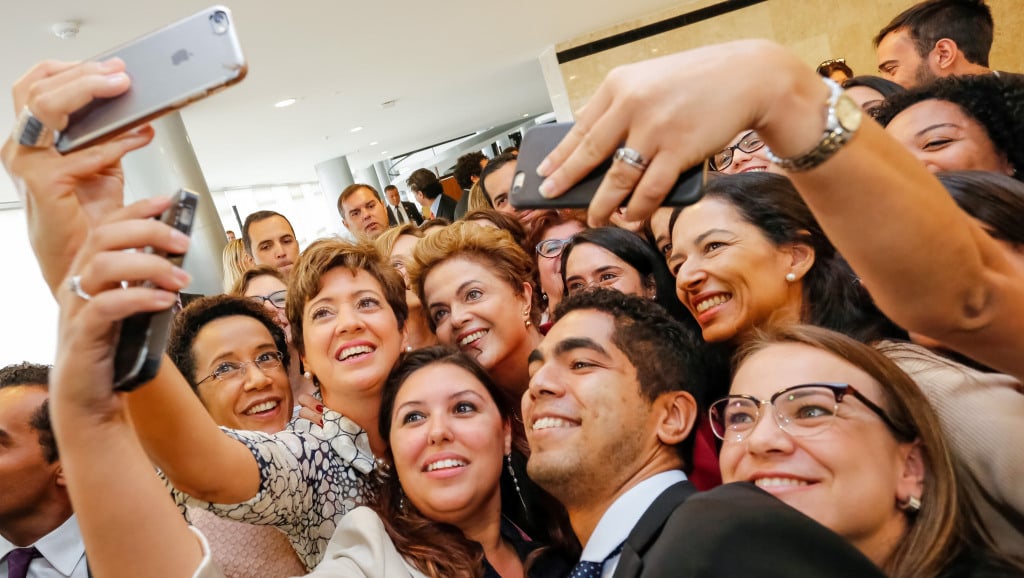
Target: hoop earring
column 911, row 505
column 515, row 482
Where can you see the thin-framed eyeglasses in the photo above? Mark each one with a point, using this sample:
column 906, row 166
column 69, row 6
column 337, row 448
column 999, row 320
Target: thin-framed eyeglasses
column 227, row 371
column 277, row 298
column 800, row 410
column 749, row 143
column 551, row 248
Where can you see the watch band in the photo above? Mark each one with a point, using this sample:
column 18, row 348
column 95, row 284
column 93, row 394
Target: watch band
column 837, row 133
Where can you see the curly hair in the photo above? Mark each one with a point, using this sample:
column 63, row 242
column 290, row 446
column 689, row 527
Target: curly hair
column 468, row 166
column 996, row 104
column 495, row 249
column 325, row 255
column 36, row 375
column 191, row 320
column 440, row 549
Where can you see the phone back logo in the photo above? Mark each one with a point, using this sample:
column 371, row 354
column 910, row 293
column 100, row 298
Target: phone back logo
column 179, row 57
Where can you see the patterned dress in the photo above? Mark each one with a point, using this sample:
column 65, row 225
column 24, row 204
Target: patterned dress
column 309, row 478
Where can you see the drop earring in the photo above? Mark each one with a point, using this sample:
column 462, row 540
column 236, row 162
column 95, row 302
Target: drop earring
column 791, row 277
column 515, row 482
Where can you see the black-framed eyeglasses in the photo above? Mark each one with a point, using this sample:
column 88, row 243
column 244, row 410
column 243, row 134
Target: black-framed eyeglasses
column 749, row 143
column 277, row 298
column 228, row 371
column 801, row 410
column 551, row 248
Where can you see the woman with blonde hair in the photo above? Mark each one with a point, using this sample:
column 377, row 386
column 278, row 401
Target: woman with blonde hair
column 236, row 260
column 398, row 244
column 476, row 284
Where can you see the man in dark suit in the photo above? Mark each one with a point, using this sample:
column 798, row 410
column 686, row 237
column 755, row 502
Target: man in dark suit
column 430, row 194
column 399, row 211
column 615, row 388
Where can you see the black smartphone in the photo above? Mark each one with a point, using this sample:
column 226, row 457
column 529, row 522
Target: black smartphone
column 169, row 68
column 143, row 336
column 542, row 139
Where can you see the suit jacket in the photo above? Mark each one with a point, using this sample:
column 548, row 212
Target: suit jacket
column 735, row 530
column 446, row 208
column 411, row 209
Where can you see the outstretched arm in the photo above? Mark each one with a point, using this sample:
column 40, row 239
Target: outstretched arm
column 927, row 264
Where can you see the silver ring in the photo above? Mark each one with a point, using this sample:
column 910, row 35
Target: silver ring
column 633, row 158
column 31, row 132
column 75, row 284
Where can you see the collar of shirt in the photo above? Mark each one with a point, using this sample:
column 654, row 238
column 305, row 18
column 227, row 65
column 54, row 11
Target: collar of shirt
column 62, row 548
column 618, row 521
column 435, row 205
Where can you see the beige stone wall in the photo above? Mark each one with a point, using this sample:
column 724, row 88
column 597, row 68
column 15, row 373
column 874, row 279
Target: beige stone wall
column 815, row 29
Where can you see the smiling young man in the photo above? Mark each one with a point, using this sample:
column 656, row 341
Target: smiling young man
column 615, row 389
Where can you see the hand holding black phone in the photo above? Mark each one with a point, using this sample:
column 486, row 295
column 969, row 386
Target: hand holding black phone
column 143, row 336
column 542, row 139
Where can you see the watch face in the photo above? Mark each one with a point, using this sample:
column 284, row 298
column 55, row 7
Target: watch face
column 848, row 113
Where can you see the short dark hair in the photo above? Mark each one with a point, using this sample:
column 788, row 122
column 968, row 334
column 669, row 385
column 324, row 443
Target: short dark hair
column 884, row 86
column 667, row 355
column 994, row 199
column 351, row 190
column 425, row 181
column 996, row 104
column 34, row 374
column 468, row 166
column 492, row 166
column 966, row 22
column 191, row 320
column 640, row 256
column 390, row 188
column 255, row 218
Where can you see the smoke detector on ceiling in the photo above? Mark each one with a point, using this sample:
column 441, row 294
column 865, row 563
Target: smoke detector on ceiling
column 66, row 30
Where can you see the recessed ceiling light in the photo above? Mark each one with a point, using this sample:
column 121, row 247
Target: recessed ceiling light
column 383, row 152
column 284, row 103
column 355, row 129
column 374, row 143
column 526, row 115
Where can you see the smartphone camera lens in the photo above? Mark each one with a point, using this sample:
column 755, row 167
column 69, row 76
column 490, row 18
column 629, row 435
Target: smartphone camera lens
column 219, row 22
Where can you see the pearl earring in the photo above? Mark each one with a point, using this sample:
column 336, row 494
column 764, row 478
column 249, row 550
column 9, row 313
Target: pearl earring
column 308, row 375
column 791, row 277
column 408, row 348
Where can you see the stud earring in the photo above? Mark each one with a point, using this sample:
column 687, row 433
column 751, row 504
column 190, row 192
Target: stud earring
column 408, row 348
column 791, row 277
column 308, row 375
column 911, row 505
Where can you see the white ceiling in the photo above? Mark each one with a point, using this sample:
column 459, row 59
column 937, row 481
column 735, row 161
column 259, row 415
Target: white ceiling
column 455, row 67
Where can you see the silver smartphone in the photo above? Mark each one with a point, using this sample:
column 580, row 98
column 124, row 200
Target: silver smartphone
column 169, row 69
column 143, row 336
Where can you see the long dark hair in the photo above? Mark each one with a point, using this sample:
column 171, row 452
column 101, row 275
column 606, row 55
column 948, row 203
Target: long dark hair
column 633, row 250
column 440, row 549
column 833, row 297
column 994, row 199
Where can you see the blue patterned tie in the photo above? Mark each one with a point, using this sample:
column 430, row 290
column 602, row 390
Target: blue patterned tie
column 587, row 569
column 18, row 561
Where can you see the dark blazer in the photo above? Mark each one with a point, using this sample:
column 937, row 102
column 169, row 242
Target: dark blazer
column 734, row 530
column 446, row 208
column 411, row 209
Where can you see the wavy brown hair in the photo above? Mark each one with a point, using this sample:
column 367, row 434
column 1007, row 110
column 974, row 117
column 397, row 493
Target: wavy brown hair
column 442, row 550
column 492, row 248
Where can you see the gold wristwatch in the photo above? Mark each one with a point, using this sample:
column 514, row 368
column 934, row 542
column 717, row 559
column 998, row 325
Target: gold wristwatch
column 843, row 118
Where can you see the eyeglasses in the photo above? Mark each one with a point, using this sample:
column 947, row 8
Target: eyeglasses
column 277, row 298
column 551, row 248
column 749, row 143
column 228, row 371
column 801, row 410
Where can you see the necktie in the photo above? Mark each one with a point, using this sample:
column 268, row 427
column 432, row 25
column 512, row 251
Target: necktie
column 400, row 213
column 588, row 569
column 18, row 561
column 426, row 213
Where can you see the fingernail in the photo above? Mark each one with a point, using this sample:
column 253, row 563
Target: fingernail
column 182, row 276
column 542, row 168
column 179, row 240
column 110, row 65
column 166, row 299
column 117, row 79
column 546, row 188
column 320, row 408
column 321, row 422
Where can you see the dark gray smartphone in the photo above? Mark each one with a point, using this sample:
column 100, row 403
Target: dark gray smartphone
column 169, row 69
column 143, row 336
column 542, row 139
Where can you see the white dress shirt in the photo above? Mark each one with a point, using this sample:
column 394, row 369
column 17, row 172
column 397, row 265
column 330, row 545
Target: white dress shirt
column 401, row 217
column 619, row 519
column 435, row 206
column 63, row 553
